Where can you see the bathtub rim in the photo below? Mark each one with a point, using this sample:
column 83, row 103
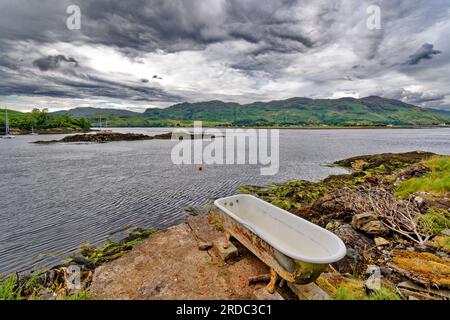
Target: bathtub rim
column 341, row 252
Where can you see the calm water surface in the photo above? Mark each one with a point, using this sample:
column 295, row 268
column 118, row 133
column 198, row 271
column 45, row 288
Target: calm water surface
column 55, row 197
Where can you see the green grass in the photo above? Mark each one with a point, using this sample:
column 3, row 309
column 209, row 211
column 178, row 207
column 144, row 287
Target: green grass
column 437, row 181
column 435, row 220
column 79, row 295
column 384, row 293
column 351, row 291
column 9, row 289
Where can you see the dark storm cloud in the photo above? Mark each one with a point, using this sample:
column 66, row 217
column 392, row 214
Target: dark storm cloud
column 71, row 82
column 53, row 62
column 425, row 52
column 174, row 25
column 422, row 98
column 36, row 90
column 170, row 25
column 85, row 87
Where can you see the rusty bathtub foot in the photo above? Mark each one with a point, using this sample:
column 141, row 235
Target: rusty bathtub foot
column 226, row 243
column 273, row 280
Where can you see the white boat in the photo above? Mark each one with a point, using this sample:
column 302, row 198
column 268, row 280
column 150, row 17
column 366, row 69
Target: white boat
column 294, row 248
column 8, row 134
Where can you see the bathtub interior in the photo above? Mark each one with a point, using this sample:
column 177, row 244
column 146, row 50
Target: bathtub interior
column 292, row 235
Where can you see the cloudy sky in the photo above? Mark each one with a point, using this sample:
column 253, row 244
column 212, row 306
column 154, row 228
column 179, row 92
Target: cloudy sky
column 137, row 54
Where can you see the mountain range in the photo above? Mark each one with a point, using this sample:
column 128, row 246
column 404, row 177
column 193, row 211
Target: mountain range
column 368, row 111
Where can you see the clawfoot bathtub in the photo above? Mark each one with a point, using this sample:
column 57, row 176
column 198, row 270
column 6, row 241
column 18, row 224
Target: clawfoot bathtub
column 294, row 248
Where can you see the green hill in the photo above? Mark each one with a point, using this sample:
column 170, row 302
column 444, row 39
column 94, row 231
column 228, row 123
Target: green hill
column 294, row 112
column 305, row 112
column 90, row 112
column 115, row 117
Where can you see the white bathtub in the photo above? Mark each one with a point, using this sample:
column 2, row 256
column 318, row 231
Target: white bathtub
column 291, row 245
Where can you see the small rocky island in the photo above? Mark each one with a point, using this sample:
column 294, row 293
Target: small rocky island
column 109, row 136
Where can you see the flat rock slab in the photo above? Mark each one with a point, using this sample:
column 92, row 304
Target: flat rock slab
column 263, row 294
column 202, row 229
column 225, row 253
column 169, row 265
column 310, row 291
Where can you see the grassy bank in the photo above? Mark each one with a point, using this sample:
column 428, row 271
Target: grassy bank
column 436, row 182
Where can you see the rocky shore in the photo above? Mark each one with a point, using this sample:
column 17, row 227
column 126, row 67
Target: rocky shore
column 392, row 211
column 110, row 136
column 53, row 284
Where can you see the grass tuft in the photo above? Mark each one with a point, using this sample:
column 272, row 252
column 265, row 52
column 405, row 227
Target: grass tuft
column 437, row 181
column 9, row 289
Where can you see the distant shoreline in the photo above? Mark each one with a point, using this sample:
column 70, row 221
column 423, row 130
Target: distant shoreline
column 72, row 131
column 293, row 128
column 18, row 132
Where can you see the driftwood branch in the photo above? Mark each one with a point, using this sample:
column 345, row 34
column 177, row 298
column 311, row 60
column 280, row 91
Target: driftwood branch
column 400, row 216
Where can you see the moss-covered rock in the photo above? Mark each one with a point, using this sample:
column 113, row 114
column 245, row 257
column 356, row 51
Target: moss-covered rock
column 384, row 163
column 347, row 288
column 423, row 267
column 293, row 195
column 441, row 243
column 109, row 251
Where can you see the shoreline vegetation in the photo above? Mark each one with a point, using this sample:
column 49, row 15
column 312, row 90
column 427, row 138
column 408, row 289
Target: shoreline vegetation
column 392, row 211
column 52, row 284
column 42, row 122
column 18, row 132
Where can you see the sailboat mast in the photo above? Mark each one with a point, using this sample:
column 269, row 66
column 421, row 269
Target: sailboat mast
column 6, row 123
